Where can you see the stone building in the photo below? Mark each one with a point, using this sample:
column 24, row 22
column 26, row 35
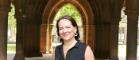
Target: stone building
column 100, row 26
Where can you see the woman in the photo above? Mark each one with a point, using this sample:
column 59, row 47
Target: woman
column 71, row 48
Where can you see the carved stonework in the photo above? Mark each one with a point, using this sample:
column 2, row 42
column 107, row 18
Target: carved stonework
column 87, row 16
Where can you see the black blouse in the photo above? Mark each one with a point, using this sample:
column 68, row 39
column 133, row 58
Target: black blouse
column 75, row 53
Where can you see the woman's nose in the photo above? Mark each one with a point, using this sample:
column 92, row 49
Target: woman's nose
column 64, row 30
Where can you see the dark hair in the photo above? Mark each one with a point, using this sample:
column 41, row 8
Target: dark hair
column 73, row 22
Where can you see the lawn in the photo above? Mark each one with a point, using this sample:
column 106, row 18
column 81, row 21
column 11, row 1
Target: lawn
column 11, row 47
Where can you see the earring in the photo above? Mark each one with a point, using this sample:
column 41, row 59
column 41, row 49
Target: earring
column 76, row 34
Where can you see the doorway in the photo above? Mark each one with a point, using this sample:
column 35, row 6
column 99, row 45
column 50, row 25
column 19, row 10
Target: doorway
column 70, row 10
column 80, row 10
column 11, row 43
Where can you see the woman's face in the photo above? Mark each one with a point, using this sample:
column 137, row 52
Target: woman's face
column 66, row 29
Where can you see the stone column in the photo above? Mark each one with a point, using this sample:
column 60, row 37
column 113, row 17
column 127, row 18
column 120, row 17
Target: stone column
column 102, row 47
column 43, row 38
column 4, row 9
column 132, row 26
column 19, row 38
column 19, row 43
column 114, row 41
column 89, row 33
column 132, row 12
column 19, row 25
column 115, row 18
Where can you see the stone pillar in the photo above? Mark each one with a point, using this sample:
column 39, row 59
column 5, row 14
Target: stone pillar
column 114, row 42
column 4, row 9
column 132, row 26
column 132, row 11
column 19, row 44
column 43, row 38
column 19, row 39
column 31, row 38
column 102, row 47
column 89, row 33
column 115, row 18
column 49, row 39
column 19, row 36
column 107, row 41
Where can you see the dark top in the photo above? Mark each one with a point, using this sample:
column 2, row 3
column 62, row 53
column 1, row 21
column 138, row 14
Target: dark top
column 75, row 53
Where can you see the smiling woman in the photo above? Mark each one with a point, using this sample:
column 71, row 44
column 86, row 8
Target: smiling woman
column 70, row 10
column 79, row 10
column 71, row 47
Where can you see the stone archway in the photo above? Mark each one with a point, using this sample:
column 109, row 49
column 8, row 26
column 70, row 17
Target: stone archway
column 48, row 16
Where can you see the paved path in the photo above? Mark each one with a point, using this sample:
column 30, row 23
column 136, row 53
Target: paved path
column 121, row 54
column 10, row 56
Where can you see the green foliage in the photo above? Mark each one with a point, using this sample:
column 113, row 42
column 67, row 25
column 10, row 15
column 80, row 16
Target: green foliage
column 11, row 19
column 12, row 25
column 71, row 10
column 11, row 47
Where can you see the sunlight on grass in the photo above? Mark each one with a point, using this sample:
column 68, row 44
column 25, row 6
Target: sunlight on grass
column 11, row 48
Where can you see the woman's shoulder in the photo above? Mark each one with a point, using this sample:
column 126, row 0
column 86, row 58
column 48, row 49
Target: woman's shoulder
column 82, row 44
column 89, row 53
column 58, row 47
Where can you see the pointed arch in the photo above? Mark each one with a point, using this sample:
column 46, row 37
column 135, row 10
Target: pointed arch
column 48, row 16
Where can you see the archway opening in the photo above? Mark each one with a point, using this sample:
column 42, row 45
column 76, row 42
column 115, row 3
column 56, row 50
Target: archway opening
column 49, row 16
column 11, row 39
column 122, row 36
column 66, row 9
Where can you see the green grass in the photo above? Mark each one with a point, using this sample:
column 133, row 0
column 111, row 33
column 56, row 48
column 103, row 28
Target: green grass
column 11, row 47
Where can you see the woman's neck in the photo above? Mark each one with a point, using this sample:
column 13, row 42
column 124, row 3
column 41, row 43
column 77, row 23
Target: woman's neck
column 70, row 43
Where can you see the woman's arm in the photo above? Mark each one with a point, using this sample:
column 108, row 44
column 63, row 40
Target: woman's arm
column 89, row 54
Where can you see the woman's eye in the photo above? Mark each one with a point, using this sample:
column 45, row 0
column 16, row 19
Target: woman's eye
column 60, row 28
column 67, row 27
